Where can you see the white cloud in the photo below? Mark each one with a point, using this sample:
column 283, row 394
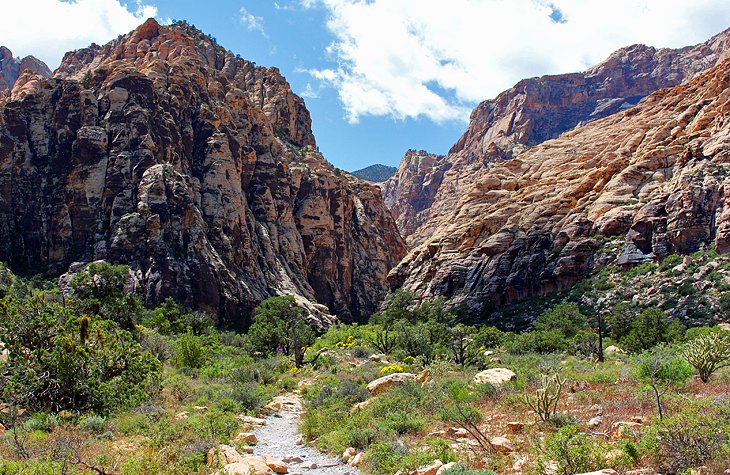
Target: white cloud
column 436, row 59
column 309, row 92
column 252, row 22
column 48, row 29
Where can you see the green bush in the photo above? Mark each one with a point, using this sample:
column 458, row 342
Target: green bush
column 574, row 452
column 695, row 437
column 60, row 361
column 189, row 351
column 661, row 369
column 649, row 329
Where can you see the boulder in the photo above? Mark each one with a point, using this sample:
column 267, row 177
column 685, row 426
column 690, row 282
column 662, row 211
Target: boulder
column 502, row 444
column 278, row 466
column 348, row 454
column 495, row 376
column 444, row 468
column 356, row 460
column 248, row 438
column 381, row 385
column 223, row 455
column 606, row 471
column 431, row 469
column 238, row 468
column 595, row 422
column 613, row 350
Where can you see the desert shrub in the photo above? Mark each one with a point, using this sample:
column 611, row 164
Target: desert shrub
column 189, row 351
column 697, row 436
column 280, row 326
column 573, row 451
column 99, row 290
column 538, row 341
column 94, row 424
column 41, row 421
column 179, row 387
column 707, row 353
column 661, row 369
column 58, row 360
column 564, row 318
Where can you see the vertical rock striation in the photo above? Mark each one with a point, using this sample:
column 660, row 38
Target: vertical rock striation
column 163, row 151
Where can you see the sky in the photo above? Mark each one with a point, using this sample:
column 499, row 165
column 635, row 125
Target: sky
column 382, row 76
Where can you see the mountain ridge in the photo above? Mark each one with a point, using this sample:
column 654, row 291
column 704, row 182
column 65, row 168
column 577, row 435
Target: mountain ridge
column 164, row 151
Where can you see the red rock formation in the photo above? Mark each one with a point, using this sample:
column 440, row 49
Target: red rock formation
column 163, row 151
column 11, row 68
column 656, row 175
column 536, row 110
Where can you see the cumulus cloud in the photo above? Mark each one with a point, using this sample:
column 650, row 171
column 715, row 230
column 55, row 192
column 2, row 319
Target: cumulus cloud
column 48, row 29
column 436, row 59
column 252, row 22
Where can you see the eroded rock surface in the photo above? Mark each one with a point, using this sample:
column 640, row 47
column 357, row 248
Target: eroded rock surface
column 654, row 176
column 166, row 152
column 426, row 189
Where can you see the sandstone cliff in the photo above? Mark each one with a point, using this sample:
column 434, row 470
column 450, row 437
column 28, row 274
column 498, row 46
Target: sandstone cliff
column 163, row 151
column 533, row 111
column 655, row 176
column 11, row 68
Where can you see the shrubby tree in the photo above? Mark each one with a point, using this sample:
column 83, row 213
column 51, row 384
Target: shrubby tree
column 99, row 290
column 652, row 327
column 61, row 360
column 280, row 326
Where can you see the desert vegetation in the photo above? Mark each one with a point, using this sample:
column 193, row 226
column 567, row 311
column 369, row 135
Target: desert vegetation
column 92, row 382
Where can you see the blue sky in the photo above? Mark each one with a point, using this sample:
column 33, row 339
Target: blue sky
column 382, row 76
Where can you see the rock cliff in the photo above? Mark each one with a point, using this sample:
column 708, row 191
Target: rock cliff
column 11, row 68
column 533, row 111
column 655, row 176
column 166, row 152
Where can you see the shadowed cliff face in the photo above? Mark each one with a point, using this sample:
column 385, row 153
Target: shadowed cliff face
column 163, row 151
column 11, row 68
column 533, row 111
column 654, row 176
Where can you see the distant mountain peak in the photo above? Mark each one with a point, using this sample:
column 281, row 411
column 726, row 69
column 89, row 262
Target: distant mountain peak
column 12, row 67
column 375, row 173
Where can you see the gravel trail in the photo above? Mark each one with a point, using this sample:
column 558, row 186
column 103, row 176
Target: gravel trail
column 279, row 437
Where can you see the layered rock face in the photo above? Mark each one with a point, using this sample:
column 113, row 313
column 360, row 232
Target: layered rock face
column 163, row 151
column 536, row 110
column 411, row 191
column 11, row 68
column 655, row 176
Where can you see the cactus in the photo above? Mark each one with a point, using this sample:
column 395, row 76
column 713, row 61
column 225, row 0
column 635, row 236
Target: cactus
column 546, row 399
column 707, row 353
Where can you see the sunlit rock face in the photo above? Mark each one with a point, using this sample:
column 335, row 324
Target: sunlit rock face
column 166, row 152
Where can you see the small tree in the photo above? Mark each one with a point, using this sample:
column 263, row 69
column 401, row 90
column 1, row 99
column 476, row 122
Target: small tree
column 280, row 326
column 707, row 354
column 661, row 369
column 461, row 344
column 652, row 327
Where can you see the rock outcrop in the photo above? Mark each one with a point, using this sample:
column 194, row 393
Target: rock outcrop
column 533, row 111
column 654, row 176
column 11, row 68
column 166, row 152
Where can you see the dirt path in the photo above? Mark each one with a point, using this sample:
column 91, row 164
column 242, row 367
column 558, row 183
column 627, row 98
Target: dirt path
column 279, row 437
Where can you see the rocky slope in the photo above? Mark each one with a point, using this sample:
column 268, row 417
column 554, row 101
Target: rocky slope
column 11, row 68
column 163, row 151
column 655, row 176
column 536, row 110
